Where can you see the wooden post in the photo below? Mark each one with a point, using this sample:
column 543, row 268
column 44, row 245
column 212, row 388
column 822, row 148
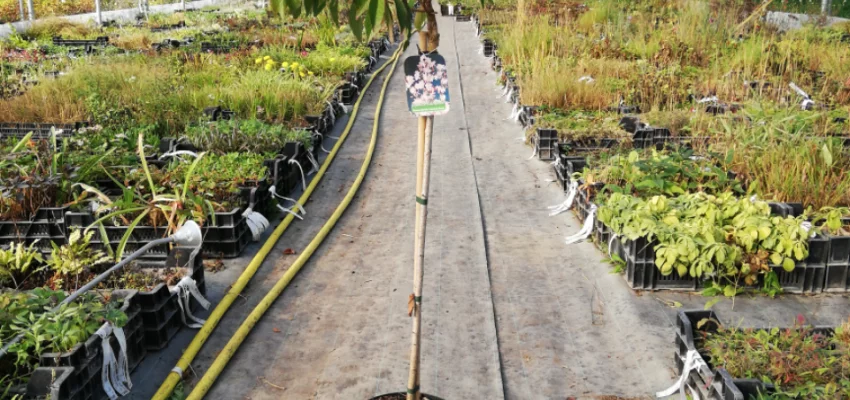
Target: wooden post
column 413, row 389
column 428, row 42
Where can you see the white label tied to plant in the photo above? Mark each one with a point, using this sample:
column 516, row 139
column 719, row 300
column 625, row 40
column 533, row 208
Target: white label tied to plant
column 427, row 84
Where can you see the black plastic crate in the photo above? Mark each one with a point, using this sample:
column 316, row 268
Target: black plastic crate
column 348, row 93
column 163, row 28
column 158, row 337
column 818, row 249
column 805, row 278
column 40, row 130
column 589, row 145
column 839, row 250
column 100, row 41
column 489, row 48
column 227, row 249
column 837, row 278
column 218, row 48
column 642, row 273
column 631, row 124
column 546, row 143
column 715, row 382
column 53, row 383
column 782, row 210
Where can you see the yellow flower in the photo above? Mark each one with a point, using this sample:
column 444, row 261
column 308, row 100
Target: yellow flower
column 285, row 64
column 294, row 64
column 310, row 73
column 332, row 59
column 269, row 67
column 258, row 60
column 267, row 58
column 301, row 74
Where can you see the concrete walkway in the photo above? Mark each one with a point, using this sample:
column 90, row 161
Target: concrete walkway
column 341, row 330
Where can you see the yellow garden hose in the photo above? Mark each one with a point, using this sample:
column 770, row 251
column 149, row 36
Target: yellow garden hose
column 201, row 337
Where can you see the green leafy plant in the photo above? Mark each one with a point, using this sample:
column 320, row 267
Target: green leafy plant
column 70, row 260
column 720, row 237
column 801, row 362
column 18, row 263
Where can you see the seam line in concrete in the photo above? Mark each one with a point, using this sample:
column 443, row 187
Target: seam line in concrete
column 480, row 211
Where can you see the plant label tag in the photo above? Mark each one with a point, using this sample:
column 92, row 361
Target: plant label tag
column 426, row 83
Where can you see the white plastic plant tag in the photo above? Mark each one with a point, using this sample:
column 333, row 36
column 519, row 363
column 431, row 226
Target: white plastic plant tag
column 427, row 84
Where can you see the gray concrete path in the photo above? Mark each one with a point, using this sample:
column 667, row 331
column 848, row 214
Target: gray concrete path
column 341, row 331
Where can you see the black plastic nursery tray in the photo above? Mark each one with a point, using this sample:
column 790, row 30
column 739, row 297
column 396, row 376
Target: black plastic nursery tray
column 710, row 381
column 39, row 130
column 45, row 227
column 75, row 375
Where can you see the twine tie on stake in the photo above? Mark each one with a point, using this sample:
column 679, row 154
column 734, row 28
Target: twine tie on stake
column 807, row 100
column 299, row 207
column 313, row 161
column 179, row 153
column 513, row 114
column 693, row 361
column 257, row 223
column 115, row 373
column 568, row 202
column 586, row 228
column 610, row 243
column 185, row 289
column 321, row 142
column 303, row 179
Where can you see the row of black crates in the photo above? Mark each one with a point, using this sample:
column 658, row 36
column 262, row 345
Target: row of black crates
column 39, row 130
column 707, row 380
column 548, row 145
column 225, row 236
column 826, row 269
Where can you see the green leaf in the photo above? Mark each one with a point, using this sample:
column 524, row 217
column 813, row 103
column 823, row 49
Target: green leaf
column 294, row 7
column 827, row 155
column 711, row 303
column 333, row 8
column 729, row 291
column 355, row 23
column 402, row 12
column 788, row 265
column 375, row 15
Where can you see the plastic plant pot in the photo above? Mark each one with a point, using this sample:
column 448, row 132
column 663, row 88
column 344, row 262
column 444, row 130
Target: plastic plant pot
column 403, row 396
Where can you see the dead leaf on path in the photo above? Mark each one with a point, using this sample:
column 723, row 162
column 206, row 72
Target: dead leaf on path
column 275, row 330
column 262, row 379
column 289, row 251
column 410, row 305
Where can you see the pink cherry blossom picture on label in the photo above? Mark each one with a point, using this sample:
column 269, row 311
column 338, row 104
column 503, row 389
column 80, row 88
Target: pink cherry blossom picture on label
column 426, row 84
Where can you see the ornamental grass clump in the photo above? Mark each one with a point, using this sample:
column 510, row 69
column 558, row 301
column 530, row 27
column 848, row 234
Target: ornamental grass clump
column 243, row 135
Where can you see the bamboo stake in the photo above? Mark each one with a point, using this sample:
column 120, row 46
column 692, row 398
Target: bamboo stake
column 428, row 42
column 413, row 390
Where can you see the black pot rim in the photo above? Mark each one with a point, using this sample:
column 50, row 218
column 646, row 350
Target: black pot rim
column 430, row 397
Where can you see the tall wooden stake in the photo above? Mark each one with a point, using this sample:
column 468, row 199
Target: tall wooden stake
column 413, row 389
column 428, row 42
